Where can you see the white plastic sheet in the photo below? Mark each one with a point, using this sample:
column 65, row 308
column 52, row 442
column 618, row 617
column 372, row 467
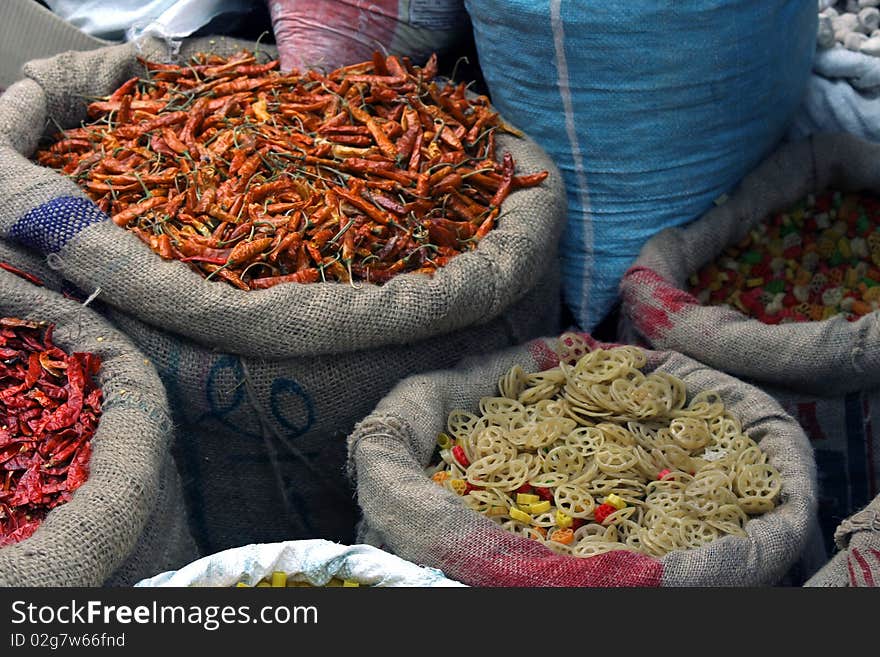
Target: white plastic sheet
column 843, row 95
column 129, row 19
column 315, row 561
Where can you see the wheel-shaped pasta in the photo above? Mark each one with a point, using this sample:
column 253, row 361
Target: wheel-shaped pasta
column 501, row 406
column 590, row 547
column 571, row 347
column 706, row 404
column 574, row 501
column 509, row 476
column 696, row 533
column 586, row 440
column 689, row 433
column 479, row 472
column 564, row 459
column 461, row 423
column 548, row 479
column 604, row 457
column 758, row 480
column 613, row 459
column 541, row 392
column 512, row 383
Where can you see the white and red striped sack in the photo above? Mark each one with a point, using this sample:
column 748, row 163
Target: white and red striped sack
column 857, row 563
column 405, row 512
column 328, row 34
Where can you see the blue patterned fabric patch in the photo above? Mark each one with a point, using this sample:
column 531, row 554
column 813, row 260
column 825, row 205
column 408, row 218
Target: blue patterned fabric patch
column 48, row 227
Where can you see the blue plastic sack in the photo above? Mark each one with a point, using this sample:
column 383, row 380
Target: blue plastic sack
column 652, row 110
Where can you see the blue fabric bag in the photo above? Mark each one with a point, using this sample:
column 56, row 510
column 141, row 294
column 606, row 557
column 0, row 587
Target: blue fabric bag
column 652, row 110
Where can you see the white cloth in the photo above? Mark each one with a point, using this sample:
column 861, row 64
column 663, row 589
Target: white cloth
column 315, row 561
column 129, row 19
column 843, row 95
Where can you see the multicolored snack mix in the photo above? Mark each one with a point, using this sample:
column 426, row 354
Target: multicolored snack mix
column 818, row 259
column 594, row 455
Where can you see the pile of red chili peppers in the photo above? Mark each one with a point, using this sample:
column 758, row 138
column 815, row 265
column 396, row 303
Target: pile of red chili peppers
column 49, row 410
column 257, row 177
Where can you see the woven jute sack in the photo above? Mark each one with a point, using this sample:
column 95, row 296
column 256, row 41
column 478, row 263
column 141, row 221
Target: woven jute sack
column 857, row 560
column 265, row 384
column 407, row 513
column 825, row 373
column 126, row 521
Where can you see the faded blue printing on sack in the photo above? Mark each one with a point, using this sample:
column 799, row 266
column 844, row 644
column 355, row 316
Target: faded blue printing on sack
column 48, row 227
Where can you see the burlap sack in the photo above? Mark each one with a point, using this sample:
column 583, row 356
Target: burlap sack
column 265, row 384
column 406, row 512
column 126, row 521
column 826, row 374
column 857, row 563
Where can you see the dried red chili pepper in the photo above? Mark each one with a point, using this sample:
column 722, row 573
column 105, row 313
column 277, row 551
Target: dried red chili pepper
column 50, row 406
column 264, row 163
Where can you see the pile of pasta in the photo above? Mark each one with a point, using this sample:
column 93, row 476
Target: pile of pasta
column 595, row 455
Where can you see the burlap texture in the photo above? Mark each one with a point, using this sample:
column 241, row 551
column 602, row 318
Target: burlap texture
column 857, row 563
column 126, row 521
column 265, row 384
column 413, row 517
column 827, row 373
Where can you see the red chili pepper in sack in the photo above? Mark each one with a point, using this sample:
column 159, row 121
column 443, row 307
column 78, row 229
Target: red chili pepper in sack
column 50, row 407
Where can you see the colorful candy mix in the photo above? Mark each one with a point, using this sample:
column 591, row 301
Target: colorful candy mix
column 818, row 259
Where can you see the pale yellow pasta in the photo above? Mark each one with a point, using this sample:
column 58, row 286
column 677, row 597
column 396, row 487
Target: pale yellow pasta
column 591, row 547
column 501, row 406
column 587, row 440
column 538, row 393
column 461, row 423
column 689, row 433
column 564, row 459
column 574, row 501
column 570, row 347
column 594, row 530
column 613, row 459
column 548, row 479
column 696, row 533
column 512, row 383
column 621, row 457
column 616, row 434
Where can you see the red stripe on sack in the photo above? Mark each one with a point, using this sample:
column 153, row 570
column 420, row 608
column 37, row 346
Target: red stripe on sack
column 672, row 297
column 593, row 343
column 869, row 441
column 500, row 559
column 649, row 320
column 866, row 569
column 543, row 355
column 808, row 419
column 876, row 554
column 852, row 573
